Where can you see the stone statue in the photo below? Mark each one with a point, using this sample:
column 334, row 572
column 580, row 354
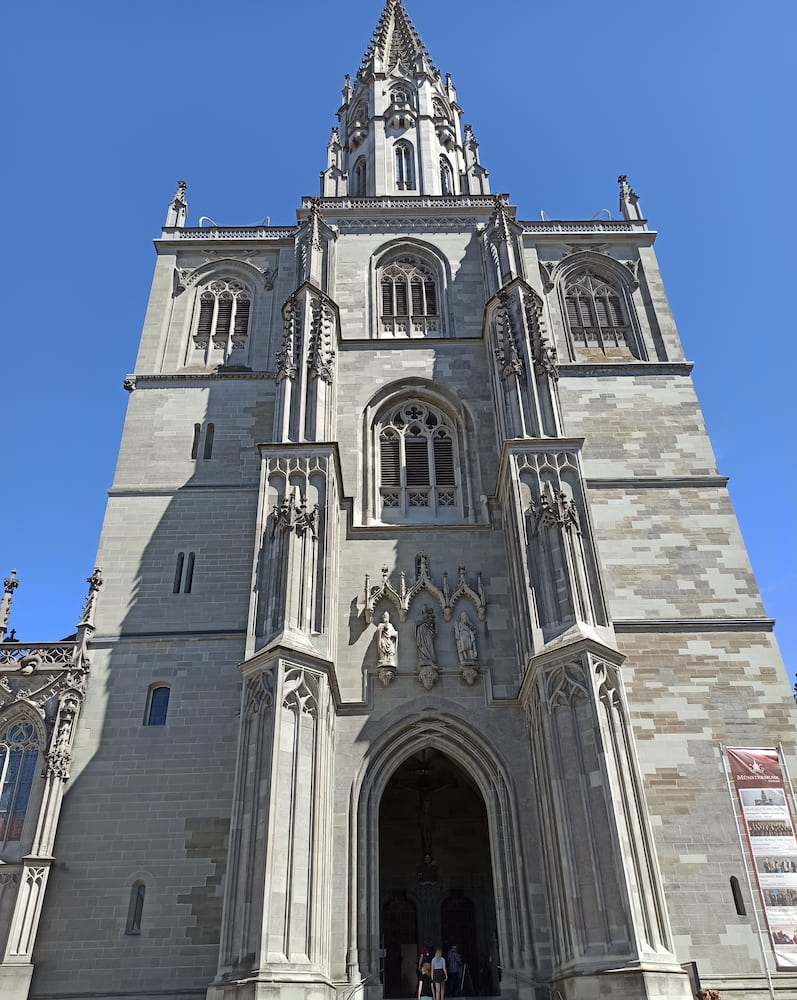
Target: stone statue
column 466, row 640
column 387, row 643
column 425, row 632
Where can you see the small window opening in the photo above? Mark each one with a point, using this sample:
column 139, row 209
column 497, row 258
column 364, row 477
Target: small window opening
column 738, row 899
column 195, row 445
column 211, row 430
column 136, row 908
column 157, row 705
column 178, row 573
column 184, row 573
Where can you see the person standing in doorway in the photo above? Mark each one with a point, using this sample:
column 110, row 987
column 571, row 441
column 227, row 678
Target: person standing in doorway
column 439, row 974
column 454, row 967
column 425, row 983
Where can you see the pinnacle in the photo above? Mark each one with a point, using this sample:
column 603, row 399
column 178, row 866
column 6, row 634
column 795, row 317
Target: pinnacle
column 395, row 40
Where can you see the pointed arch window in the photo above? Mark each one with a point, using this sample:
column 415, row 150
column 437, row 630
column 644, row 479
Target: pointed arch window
column 409, row 299
column 223, row 320
column 405, row 166
column 359, row 178
column 446, row 176
column 597, row 319
column 19, row 752
column 417, row 463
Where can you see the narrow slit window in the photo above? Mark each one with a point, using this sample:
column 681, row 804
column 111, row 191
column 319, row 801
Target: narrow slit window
column 178, row 573
column 210, row 432
column 738, row 899
column 189, row 573
column 195, row 445
column 135, row 910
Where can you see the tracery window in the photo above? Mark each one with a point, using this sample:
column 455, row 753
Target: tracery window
column 439, row 109
column 597, row 318
column 408, row 298
column 223, row 322
column 417, row 466
column 405, row 166
column 19, row 752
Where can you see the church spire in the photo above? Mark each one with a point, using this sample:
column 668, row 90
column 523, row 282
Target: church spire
column 400, row 127
column 395, row 42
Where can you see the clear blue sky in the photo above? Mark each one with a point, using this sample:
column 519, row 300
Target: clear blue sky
column 112, row 103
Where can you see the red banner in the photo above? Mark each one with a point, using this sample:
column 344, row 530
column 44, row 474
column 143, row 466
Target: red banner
column 769, row 828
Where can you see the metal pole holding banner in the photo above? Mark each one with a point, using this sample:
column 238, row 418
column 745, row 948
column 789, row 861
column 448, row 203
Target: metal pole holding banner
column 754, row 895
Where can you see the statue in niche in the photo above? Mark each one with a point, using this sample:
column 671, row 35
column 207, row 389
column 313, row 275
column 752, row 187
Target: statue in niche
column 466, row 640
column 425, row 633
column 387, row 649
column 387, row 643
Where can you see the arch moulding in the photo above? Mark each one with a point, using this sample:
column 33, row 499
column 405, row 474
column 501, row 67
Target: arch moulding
column 480, row 760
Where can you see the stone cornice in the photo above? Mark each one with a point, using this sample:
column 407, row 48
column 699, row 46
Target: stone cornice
column 132, row 382
column 627, row 625
column 588, row 369
column 655, row 482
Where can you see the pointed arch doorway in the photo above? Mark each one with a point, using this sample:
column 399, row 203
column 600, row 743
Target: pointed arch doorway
column 436, row 882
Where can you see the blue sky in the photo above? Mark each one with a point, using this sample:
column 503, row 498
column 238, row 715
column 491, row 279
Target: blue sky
column 111, row 104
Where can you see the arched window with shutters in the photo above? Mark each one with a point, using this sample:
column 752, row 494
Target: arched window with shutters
column 408, row 298
column 597, row 319
column 405, row 166
column 19, row 753
column 222, row 322
column 418, row 474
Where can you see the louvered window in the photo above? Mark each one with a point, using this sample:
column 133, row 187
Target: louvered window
column 222, row 325
column 599, row 327
column 409, row 298
column 417, row 468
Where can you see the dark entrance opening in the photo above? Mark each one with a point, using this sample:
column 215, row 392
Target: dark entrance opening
column 435, row 875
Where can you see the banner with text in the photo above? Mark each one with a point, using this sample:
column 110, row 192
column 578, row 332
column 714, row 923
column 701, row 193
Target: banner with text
column 769, row 827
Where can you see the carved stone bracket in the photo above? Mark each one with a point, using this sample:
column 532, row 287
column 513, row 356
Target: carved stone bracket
column 403, row 597
column 427, row 675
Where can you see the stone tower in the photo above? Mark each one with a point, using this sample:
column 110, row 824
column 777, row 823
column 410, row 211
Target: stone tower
column 424, row 616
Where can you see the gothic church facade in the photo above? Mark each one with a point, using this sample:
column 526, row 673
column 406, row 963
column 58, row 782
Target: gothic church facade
column 423, row 614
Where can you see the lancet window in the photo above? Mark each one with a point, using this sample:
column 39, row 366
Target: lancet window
column 446, row 176
column 19, row 752
column 223, row 321
column 408, row 298
column 359, row 179
column 417, row 464
column 405, row 166
column 597, row 318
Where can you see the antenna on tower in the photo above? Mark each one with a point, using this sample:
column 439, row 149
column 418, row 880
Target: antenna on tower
column 544, row 216
column 206, row 218
column 600, row 211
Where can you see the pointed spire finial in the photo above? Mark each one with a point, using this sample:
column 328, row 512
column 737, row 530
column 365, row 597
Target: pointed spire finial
column 178, row 207
column 629, row 202
column 10, row 584
column 87, row 615
column 395, row 42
